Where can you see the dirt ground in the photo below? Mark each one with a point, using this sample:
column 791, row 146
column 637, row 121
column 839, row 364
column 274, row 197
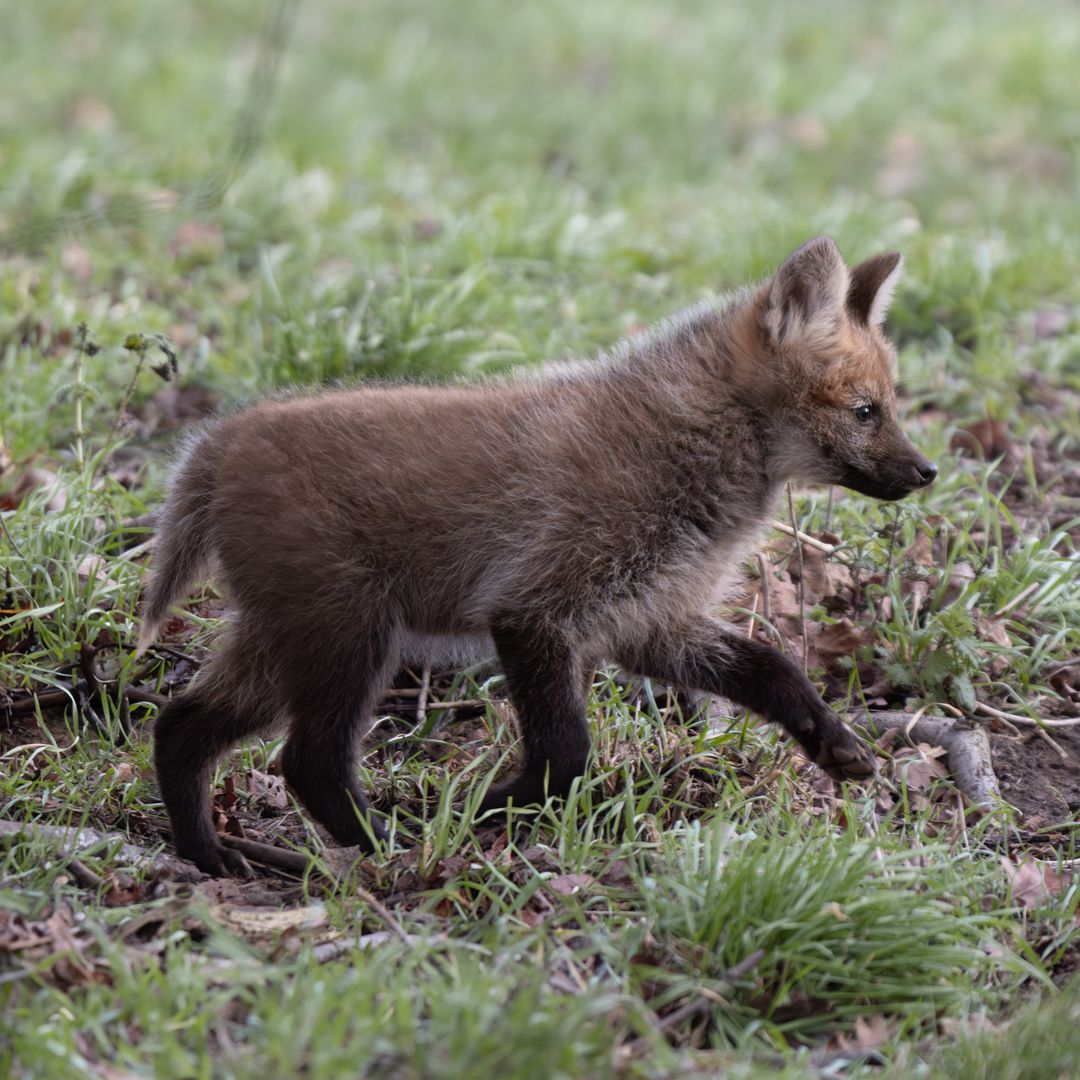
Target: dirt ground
column 1036, row 779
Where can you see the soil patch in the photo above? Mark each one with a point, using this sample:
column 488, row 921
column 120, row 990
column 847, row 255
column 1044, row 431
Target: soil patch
column 1036, row 779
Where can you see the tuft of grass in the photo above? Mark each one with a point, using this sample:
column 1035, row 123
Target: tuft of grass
column 819, row 928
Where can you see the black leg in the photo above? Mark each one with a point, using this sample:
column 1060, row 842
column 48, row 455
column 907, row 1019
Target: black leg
column 546, row 680
column 705, row 655
column 230, row 698
column 330, row 705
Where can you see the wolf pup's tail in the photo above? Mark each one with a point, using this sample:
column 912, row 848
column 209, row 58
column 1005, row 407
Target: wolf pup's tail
column 183, row 538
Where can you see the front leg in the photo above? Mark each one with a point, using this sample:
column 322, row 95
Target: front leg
column 703, row 654
column 547, row 685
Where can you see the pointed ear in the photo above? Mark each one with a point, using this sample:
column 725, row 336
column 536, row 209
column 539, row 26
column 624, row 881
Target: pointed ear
column 806, row 297
column 872, row 286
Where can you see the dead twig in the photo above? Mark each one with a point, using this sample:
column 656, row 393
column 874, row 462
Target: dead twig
column 1017, row 600
column 48, row 699
column 135, row 696
column 176, row 654
column 806, row 538
column 1012, row 719
column 422, row 696
column 1016, row 718
column 68, row 840
column 802, row 578
column 766, row 606
column 382, row 911
column 343, row 946
column 966, row 745
column 268, row 854
column 52, row 699
column 138, row 549
column 84, row 875
column 435, row 706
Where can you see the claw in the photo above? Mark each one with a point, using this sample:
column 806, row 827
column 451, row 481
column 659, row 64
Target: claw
column 854, row 761
column 233, row 864
column 221, row 861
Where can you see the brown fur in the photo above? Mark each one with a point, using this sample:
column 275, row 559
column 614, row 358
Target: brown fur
column 586, row 513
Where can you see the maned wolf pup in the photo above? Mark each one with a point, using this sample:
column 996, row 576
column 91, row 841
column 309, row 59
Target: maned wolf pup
column 582, row 514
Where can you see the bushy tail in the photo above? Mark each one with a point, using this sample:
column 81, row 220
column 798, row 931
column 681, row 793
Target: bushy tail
column 183, row 546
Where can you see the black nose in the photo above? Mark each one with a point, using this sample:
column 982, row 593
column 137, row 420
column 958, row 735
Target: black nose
column 927, row 471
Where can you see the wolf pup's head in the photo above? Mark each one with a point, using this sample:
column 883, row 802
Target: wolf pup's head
column 832, row 373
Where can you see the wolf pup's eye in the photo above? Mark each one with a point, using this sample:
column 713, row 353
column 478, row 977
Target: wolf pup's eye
column 864, row 413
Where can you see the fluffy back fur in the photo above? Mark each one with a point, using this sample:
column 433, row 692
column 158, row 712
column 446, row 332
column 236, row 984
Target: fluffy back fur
column 587, row 512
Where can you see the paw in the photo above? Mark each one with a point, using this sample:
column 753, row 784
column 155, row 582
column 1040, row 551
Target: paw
column 844, row 756
column 523, row 790
column 220, row 861
column 352, row 832
column 233, row 864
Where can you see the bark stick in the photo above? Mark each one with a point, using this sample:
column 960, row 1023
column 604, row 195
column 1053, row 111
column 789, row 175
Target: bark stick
column 966, row 744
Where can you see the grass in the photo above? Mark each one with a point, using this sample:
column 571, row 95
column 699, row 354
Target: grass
column 430, row 191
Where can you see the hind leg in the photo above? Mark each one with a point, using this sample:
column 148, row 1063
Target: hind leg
column 330, row 703
column 547, row 685
column 230, row 698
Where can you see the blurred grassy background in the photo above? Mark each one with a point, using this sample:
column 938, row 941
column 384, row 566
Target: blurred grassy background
column 455, row 186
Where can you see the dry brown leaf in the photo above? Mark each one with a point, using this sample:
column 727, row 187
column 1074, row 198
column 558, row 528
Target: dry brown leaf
column 993, row 630
column 920, row 766
column 59, row 939
column 870, row 1032
column 985, row 439
column 841, row 638
column 93, row 566
column 268, row 789
column 539, row 857
column 262, row 924
column 921, row 551
column 34, row 478
column 122, row 890
column 815, row 573
column 1034, row 884
column 570, row 884
column 618, row 875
